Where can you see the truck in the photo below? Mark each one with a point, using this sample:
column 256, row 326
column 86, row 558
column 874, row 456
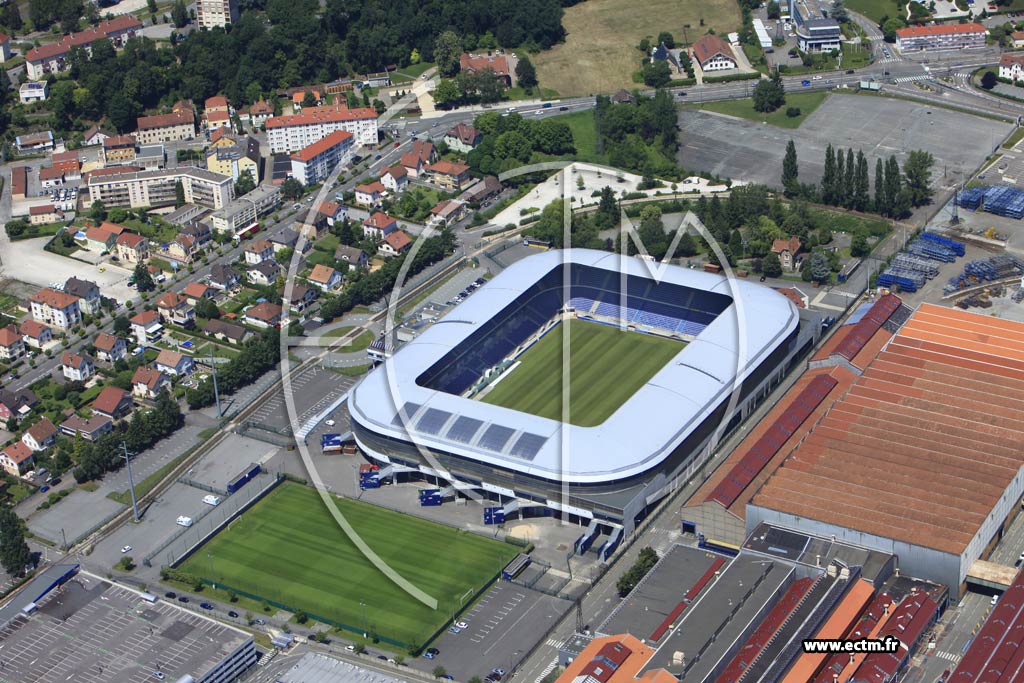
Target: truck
column 183, row 521
column 211, row 500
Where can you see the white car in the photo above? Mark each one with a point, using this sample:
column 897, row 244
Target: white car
column 816, row 78
column 995, row 599
column 126, row 549
column 330, row 423
column 461, row 624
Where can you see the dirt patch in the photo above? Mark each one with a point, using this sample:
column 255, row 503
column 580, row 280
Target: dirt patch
column 599, row 54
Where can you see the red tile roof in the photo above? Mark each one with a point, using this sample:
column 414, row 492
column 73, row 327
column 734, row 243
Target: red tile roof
column 709, row 46
column 102, row 30
column 42, row 210
column 217, row 101
column 380, row 220
column 497, row 63
column 98, row 235
column 218, row 116
column 114, row 228
column 109, row 399
column 170, row 300
column 196, row 290
column 324, row 114
column 329, row 208
column 72, row 360
column 265, row 311
column 32, row 328
column 130, row 240
column 371, row 188
column 450, row 168
column 398, row 240
column 50, row 173
column 261, row 107
column 397, row 172
column 105, row 341
column 792, row 245
column 150, row 377
column 314, row 150
column 322, row 274
column 176, row 118
column 144, row 318
column 18, row 452
column 9, row 336
column 169, row 358
column 53, row 298
column 1010, row 60
column 939, row 30
column 259, row 247
column 119, row 141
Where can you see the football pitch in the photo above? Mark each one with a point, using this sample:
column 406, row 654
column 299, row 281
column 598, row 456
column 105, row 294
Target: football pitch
column 606, row 366
column 287, row 548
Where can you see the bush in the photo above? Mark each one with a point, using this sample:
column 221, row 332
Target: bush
column 793, row 112
column 644, row 563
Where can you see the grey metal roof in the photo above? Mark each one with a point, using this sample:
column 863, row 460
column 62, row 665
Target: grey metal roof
column 639, row 435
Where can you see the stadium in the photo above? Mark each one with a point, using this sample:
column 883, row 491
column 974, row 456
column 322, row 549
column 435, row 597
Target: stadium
column 652, row 364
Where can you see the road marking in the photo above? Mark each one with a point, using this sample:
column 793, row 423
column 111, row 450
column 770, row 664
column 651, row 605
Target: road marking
column 548, row 669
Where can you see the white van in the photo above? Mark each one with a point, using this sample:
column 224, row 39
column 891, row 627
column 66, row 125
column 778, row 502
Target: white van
column 184, row 521
column 211, row 500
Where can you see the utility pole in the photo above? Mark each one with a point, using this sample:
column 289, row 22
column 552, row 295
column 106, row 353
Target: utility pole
column 131, row 484
column 216, row 395
column 213, row 577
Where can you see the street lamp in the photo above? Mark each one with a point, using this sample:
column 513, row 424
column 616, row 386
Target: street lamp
column 363, row 605
column 131, row 484
column 213, row 577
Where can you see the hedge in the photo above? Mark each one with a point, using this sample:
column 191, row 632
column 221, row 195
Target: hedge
column 732, row 77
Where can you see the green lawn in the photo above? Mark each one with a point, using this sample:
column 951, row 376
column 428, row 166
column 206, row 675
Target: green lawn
column 410, row 73
column 584, row 135
column 288, row 548
column 875, row 9
column 607, row 366
column 807, row 102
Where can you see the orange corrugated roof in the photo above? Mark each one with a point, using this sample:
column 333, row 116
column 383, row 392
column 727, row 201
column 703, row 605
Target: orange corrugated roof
column 836, row 626
column 628, row 671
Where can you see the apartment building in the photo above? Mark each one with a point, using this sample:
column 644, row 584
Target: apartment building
column 940, row 37
column 242, row 214
column 210, row 13
column 119, row 150
column 313, row 163
column 178, row 125
column 52, row 58
column 234, row 160
column 292, row 133
column 156, row 188
column 55, row 309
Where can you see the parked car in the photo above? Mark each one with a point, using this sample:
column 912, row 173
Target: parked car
column 44, row 489
column 183, row 599
column 126, row 549
column 206, row 605
column 455, row 629
column 258, row 622
column 233, row 614
column 170, row 595
column 461, row 624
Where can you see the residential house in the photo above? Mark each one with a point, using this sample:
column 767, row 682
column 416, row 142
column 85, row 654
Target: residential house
column 481, row 190
column 43, row 215
column 787, row 251
column 68, row 163
column 200, row 232
column 447, row 212
column 259, row 113
column 16, row 403
column 1018, row 39
column 498, row 63
column 131, row 247
column 17, row 459
column 301, row 297
column 178, row 125
column 713, row 53
column 356, row 258
column 88, row 293
column 89, row 429
column 183, row 248
column 56, row 309
column 224, row 277
column 412, row 163
column 660, row 53
column 113, row 402
column 448, row 175
column 146, row 327
column 396, row 243
column 194, row 291
column 222, row 138
column 1011, row 67
column 258, row 252
column 94, row 135
column 53, row 57
column 299, row 96
column 237, row 159
column 40, row 436
column 395, row 179
column 264, row 314
column 463, row 138
column 621, row 96
column 379, row 225
column 175, row 309
column 12, row 346
column 325, row 277
column 35, row 334
column 332, row 212
column 174, row 363
column 99, row 240
column 50, row 177
column 5, row 47
column 264, row 273
column 285, row 238
column 147, row 382
column 225, row 331
column 119, row 150
column 216, row 103
column 77, row 368
column 34, row 142
column 109, row 347
column 369, row 194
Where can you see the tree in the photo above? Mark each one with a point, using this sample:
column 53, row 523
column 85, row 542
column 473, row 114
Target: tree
column 771, row 265
column 839, row 192
column 179, row 194
column 768, row 96
column 291, row 189
column 205, row 308
column 859, row 245
column 440, row 671
column 359, row 648
column 790, row 171
column 151, row 6
column 11, row 17
column 446, row 93
column 839, row 12
column 773, row 9
column 890, row 27
column 121, row 325
column 245, row 184
column 820, row 267
column 15, row 555
column 179, row 14
column 447, row 50
column 881, row 202
column 828, row 178
column 656, row 74
column 862, row 184
column 917, row 174
column 666, row 38
column 893, row 184
column 414, row 56
column 143, row 280
column 989, row 80
column 849, row 179
column 526, row 74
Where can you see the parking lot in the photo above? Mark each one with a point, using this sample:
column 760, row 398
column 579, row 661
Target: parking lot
column 312, row 390
column 500, row 628
column 880, row 127
column 228, row 459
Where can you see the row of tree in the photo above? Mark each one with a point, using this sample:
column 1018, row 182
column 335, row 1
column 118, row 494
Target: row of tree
column 628, row 131
column 259, row 356
column 511, row 141
column 145, row 428
column 645, row 561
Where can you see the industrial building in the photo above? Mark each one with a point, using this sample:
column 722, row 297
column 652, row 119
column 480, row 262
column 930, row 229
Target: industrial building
column 72, row 625
column 920, row 457
column 815, row 32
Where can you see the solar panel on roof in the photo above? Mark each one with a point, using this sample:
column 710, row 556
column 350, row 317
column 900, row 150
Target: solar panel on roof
column 406, row 413
column 463, row 429
column 495, row 437
column 432, row 421
column 528, row 445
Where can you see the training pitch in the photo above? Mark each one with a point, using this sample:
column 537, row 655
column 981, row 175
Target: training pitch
column 606, row 366
column 289, row 549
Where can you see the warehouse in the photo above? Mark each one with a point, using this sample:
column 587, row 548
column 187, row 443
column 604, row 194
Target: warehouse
column 921, row 457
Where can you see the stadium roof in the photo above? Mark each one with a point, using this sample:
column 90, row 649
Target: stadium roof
column 670, row 406
column 935, row 412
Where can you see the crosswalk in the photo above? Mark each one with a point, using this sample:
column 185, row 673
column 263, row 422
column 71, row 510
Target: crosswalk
column 548, row 669
column 948, row 656
column 554, row 643
column 911, row 79
column 888, row 60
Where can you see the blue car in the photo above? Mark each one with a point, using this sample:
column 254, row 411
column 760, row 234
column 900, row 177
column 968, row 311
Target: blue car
column 44, row 489
column 806, row 84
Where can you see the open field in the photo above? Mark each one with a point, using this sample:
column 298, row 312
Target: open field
column 599, row 53
column 876, row 9
column 607, row 366
column 289, row 549
column 806, row 102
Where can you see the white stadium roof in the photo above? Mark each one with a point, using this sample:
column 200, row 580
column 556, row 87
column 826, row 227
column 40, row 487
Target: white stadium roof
column 639, row 435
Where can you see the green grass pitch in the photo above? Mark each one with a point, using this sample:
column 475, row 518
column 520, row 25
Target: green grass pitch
column 289, row 549
column 607, row 366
